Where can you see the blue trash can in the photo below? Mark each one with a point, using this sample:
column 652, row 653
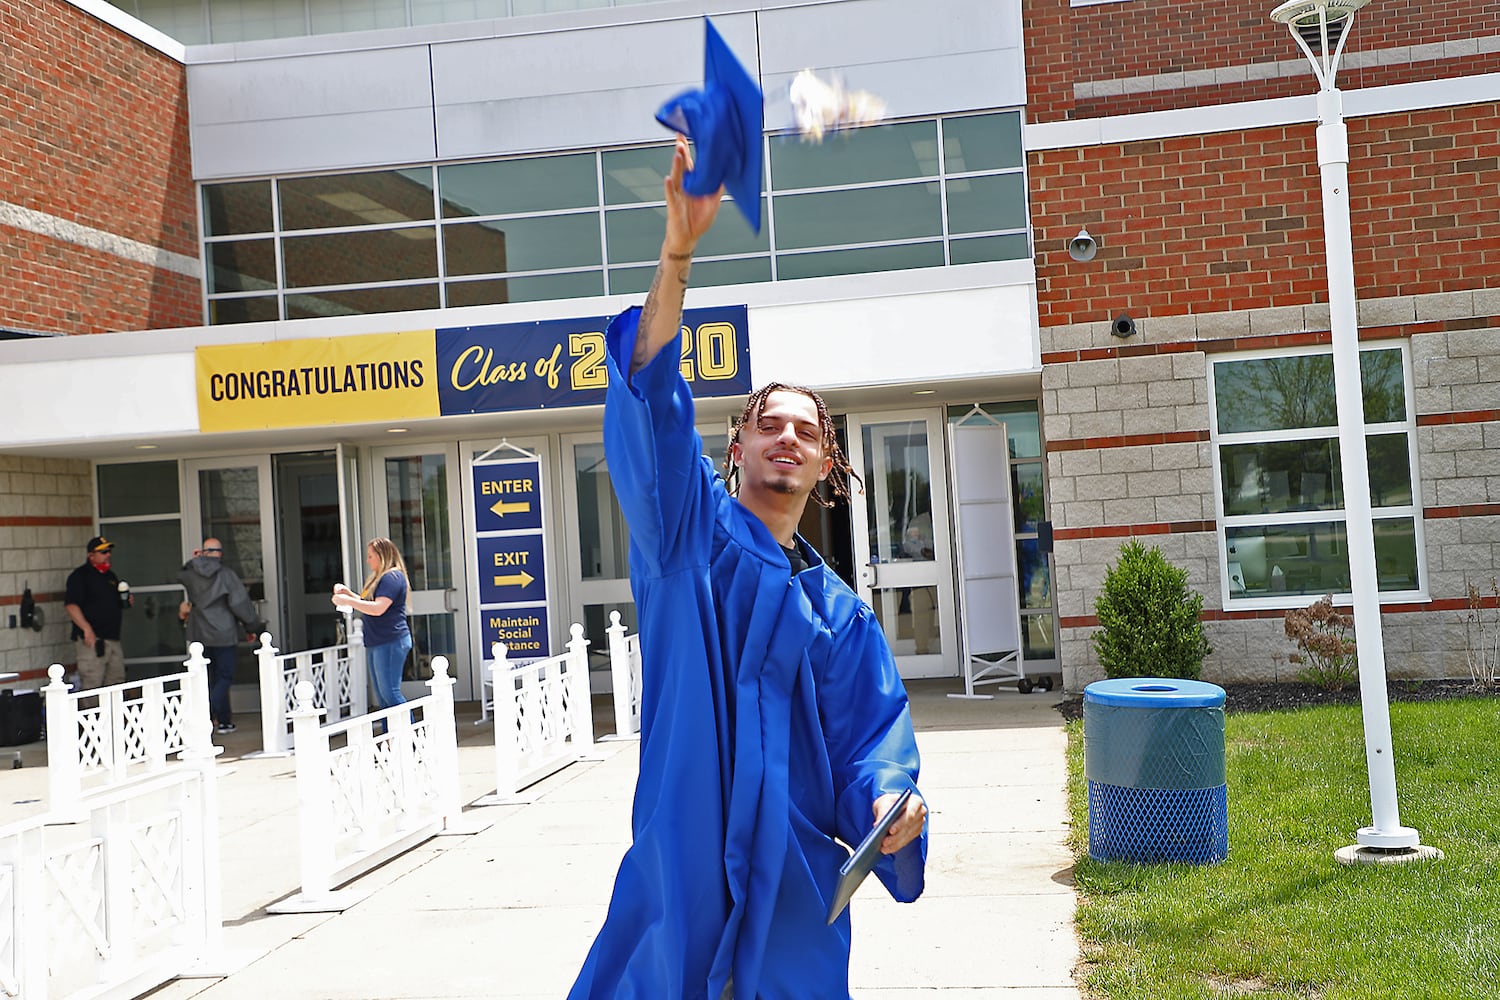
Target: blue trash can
column 1154, row 760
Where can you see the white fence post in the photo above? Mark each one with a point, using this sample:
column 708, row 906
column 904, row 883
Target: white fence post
column 64, row 773
column 443, row 742
column 316, row 825
column 203, row 880
column 619, row 675
column 359, row 670
column 507, row 749
column 581, row 714
column 273, row 737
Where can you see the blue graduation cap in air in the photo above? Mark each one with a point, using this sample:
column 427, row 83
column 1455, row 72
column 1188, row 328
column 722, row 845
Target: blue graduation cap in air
column 725, row 122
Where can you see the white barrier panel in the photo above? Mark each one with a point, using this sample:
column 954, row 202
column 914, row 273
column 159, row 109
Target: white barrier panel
column 338, row 676
column 625, row 677
column 114, row 906
column 126, row 730
column 370, row 788
column 543, row 718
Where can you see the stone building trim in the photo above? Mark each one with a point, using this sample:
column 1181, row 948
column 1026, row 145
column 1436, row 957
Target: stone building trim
column 51, row 226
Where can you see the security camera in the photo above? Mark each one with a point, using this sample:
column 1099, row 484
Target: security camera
column 1082, row 247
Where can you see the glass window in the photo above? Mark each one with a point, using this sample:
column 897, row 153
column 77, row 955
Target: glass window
column 981, row 204
column 634, row 176
column 416, row 489
column 603, row 537
column 361, row 257
column 329, row 16
column 1028, row 498
column 855, row 156
column 1035, row 582
column 241, row 266
column 1383, row 383
column 362, row 301
column 864, row 215
column 1281, row 478
column 147, row 551
column 444, row 11
column 746, row 271
column 534, row 288
column 974, row 251
column 514, row 187
column 1038, row 637
column 537, row 243
column 259, row 309
column 341, row 201
column 634, row 235
column 180, row 19
column 870, row 259
column 138, row 488
column 237, row 21
column 1272, row 394
column 983, row 142
column 237, row 209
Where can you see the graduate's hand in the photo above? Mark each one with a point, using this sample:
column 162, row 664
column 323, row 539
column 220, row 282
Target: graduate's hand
column 907, row 828
column 688, row 216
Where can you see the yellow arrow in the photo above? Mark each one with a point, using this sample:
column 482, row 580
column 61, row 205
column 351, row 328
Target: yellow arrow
column 503, row 507
column 520, row 579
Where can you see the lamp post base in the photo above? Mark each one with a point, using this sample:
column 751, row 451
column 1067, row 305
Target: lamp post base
column 1358, row 855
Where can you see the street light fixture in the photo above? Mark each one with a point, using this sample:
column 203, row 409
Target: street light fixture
column 1321, row 27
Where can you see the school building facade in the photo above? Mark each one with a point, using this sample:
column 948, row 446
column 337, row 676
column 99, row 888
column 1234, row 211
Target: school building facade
column 298, row 275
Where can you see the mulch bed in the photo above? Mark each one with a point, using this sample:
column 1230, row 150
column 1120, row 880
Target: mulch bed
column 1294, row 694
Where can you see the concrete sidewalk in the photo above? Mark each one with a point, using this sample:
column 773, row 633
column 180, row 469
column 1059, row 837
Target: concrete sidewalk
column 511, row 911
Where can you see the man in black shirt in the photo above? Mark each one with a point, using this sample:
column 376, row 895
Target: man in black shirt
column 93, row 600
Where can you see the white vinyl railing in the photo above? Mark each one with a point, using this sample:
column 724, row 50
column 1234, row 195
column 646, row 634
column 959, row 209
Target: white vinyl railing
column 543, row 718
column 625, row 677
column 126, row 899
column 338, row 676
column 370, row 788
column 104, row 736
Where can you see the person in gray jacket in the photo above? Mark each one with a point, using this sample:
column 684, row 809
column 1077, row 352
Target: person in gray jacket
column 216, row 598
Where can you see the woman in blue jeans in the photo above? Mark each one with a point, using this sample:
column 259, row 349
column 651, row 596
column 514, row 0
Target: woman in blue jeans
column 384, row 600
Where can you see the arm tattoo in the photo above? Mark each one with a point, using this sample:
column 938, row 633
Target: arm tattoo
column 641, row 355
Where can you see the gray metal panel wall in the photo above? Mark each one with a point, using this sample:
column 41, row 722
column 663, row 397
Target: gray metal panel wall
column 582, row 87
column 312, row 112
column 569, row 89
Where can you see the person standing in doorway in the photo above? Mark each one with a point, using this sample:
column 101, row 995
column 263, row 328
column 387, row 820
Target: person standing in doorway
column 216, row 600
column 96, row 605
column 385, row 601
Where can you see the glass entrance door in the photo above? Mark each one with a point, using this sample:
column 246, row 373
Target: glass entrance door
column 231, row 499
column 312, row 551
column 416, row 506
column 902, row 545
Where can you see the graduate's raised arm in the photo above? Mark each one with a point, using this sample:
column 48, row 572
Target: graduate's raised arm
column 688, row 218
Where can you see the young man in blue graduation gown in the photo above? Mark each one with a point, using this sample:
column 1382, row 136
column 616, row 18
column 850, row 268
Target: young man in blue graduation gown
column 772, row 716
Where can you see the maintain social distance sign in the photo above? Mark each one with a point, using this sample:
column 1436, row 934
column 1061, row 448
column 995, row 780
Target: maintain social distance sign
column 371, row 378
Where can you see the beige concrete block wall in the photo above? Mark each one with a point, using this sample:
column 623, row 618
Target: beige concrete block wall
column 46, row 517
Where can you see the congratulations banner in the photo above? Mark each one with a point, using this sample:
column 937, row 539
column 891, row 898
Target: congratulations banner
column 530, row 366
column 306, row 383
column 375, row 378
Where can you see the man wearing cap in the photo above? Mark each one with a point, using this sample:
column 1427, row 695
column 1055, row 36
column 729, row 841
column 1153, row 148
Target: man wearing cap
column 93, row 601
column 216, row 598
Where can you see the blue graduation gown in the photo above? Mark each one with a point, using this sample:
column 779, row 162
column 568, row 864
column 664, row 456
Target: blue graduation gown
column 772, row 717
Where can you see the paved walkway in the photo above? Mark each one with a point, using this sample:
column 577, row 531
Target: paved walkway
column 511, row 911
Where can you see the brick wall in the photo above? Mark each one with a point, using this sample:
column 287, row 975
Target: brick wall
column 93, row 132
column 1230, row 222
column 46, row 518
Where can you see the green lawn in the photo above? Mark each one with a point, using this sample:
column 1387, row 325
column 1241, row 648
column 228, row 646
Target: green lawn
column 1281, row 918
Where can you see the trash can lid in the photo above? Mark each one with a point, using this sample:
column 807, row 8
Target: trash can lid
column 1154, row 692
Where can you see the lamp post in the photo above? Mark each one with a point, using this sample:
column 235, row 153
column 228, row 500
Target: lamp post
column 1321, row 27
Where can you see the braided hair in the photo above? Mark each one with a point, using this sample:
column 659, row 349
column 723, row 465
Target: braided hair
column 838, row 477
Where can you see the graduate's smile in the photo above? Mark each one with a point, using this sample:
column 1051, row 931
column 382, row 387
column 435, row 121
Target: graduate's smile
column 782, row 452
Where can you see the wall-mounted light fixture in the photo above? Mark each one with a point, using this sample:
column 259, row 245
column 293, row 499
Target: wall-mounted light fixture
column 1083, row 247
